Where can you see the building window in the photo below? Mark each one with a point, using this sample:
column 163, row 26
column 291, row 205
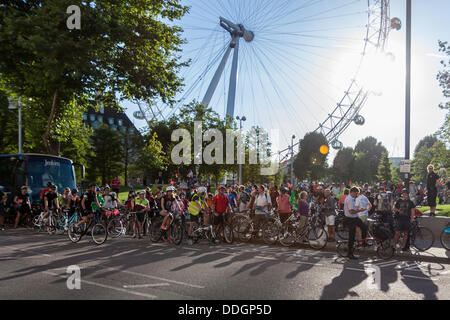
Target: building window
column 85, row 116
column 95, row 125
column 120, row 122
column 114, row 127
column 92, row 117
column 100, row 118
column 111, row 121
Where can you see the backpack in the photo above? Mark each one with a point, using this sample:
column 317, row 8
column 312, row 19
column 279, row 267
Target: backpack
column 383, row 202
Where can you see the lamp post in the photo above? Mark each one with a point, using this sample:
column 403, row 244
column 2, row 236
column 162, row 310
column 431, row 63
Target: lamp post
column 240, row 119
column 408, row 88
column 18, row 106
column 292, row 160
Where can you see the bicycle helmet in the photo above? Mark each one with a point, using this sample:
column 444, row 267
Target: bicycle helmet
column 202, row 190
column 142, row 192
column 113, row 194
column 171, row 188
column 404, row 190
column 53, row 187
column 23, row 187
column 74, row 191
column 92, row 185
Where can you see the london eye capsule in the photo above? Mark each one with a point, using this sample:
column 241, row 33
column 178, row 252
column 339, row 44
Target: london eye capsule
column 337, row 145
column 396, row 24
column 359, row 120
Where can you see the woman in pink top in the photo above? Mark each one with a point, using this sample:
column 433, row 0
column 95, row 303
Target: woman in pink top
column 284, row 206
column 342, row 199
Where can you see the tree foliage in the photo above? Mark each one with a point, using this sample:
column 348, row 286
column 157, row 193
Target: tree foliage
column 343, row 165
column 444, row 81
column 310, row 163
column 384, row 168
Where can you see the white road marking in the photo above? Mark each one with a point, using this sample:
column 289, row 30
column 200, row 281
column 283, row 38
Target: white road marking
column 311, row 263
column 387, row 264
column 354, row 269
column 266, row 258
column 421, row 278
column 35, row 252
column 147, row 285
column 122, row 253
column 154, row 277
column 106, row 286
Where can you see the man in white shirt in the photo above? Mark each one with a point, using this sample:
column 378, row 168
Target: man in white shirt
column 362, row 203
column 261, row 206
column 352, row 220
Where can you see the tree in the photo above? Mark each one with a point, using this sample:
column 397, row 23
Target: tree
column 436, row 155
column 105, row 161
column 124, row 50
column 343, row 164
column 362, row 168
column 372, row 150
column 444, row 81
column 428, row 141
column 384, row 168
column 310, row 163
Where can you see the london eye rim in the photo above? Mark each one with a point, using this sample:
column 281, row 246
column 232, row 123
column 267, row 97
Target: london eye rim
column 345, row 113
column 350, row 105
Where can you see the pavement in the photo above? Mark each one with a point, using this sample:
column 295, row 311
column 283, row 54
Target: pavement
column 36, row 266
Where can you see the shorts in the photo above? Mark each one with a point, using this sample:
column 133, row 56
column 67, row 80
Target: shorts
column 193, row 218
column 402, row 225
column 217, row 220
column 140, row 216
column 87, row 212
column 431, row 198
column 364, row 218
column 242, row 206
column 329, row 220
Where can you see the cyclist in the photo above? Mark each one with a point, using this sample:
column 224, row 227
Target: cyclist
column 109, row 198
column 405, row 214
column 167, row 203
column 22, row 204
column 283, row 205
column 65, row 199
column 50, row 201
column 47, row 188
column 195, row 208
column 141, row 205
column 221, row 204
column 74, row 202
column 3, row 207
column 89, row 197
column 384, row 203
column 243, row 199
column 329, row 212
column 352, row 220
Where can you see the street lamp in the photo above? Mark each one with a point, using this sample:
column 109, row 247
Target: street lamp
column 240, row 136
column 13, row 106
column 292, row 160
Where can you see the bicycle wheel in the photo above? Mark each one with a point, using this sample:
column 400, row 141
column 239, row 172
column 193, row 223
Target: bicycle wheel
column 228, row 233
column 317, row 237
column 51, row 227
column 270, row 232
column 99, row 233
column 342, row 249
column 155, row 231
column 445, row 238
column 341, row 229
column 60, row 225
column 74, row 232
column 422, row 238
column 385, row 250
column 245, row 230
column 177, row 232
column 115, row 228
column 288, row 235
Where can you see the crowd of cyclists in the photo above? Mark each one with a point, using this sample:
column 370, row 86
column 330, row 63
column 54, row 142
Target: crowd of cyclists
column 339, row 207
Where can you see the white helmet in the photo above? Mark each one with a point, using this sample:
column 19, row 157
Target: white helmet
column 202, row 190
column 170, row 188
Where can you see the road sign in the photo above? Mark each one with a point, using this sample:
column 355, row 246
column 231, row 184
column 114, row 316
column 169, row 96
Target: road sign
column 405, row 166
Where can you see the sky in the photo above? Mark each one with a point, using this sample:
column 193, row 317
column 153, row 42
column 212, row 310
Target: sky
column 302, row 60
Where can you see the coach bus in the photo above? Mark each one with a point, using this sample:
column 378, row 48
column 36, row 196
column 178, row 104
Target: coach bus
column 35, row 171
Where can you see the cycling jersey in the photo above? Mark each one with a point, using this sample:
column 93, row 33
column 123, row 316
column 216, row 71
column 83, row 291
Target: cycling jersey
column 168, row 202
column 89, row 199
column 141, row 202
column 108, row 201
column 50, row 198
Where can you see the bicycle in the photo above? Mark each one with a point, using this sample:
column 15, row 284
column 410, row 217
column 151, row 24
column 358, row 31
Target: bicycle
column 176, row 227
column 445, row 237
column 313, row 232
column 379, row 236
column 62, row 224
column 341, row 227
column 99, row 231
column 225, row 231
column 247, row 229
column 422, row 238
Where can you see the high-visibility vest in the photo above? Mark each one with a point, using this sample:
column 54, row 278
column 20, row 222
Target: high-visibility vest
column 194, row 208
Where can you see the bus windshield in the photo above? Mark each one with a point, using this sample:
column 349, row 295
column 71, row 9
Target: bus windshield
column 42, row 170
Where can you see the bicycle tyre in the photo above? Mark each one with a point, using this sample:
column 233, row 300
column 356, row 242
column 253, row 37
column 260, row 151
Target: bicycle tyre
column 385, row 250
column 341, row 229
column 270, row 232
column 288, row 235
column 99, row 233
column 422, row 239
column 317, row 237
column 342, row 249
column 245, row 230
column 74, row 232
column 228, row 233
column 177, row 233
column 60, row 224
column 115, row 228
column 445, row 239
column 155, row 231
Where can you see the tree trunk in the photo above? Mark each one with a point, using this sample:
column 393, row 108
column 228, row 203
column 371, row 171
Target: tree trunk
column 46, row 135
column 126, row 159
